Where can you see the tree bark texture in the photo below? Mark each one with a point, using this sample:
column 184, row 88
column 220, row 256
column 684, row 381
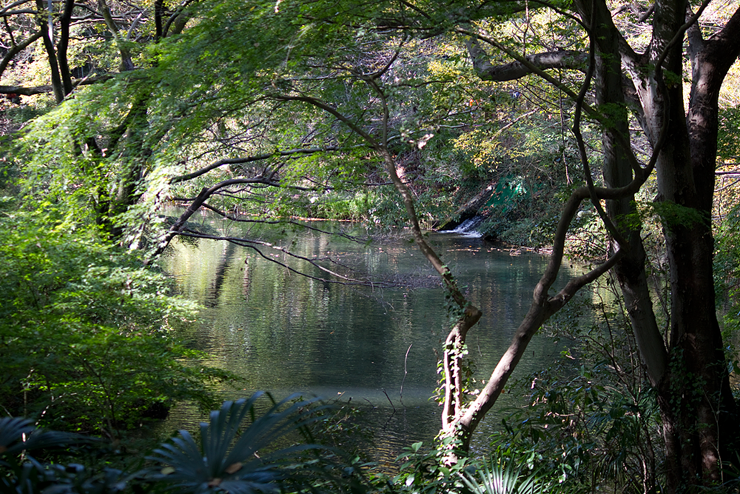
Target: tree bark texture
column 56, row 80
column 617, row 170
column 690, row 377
column 689, row 374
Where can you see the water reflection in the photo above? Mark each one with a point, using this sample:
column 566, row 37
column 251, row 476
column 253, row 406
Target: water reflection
column 283, row 333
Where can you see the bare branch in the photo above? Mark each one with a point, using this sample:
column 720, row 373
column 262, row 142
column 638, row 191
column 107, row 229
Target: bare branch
column 255, row 244
column 30, row 91
column 5, row 9
column 250, row 159
column 179, row 225
column 16, row 12
column 280, row 222
column 486, row 71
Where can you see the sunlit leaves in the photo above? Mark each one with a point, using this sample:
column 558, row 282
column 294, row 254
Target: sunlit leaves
column 728, row 145
column 84, row 332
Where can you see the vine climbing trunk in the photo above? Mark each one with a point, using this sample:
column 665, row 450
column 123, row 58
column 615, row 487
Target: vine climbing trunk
column 467, row 315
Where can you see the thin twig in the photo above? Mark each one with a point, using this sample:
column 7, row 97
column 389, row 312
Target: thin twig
column 405, row 371
column 252, row 244
column 281, row 222
column 389, row 399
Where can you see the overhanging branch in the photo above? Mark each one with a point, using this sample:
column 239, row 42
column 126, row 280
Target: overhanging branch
column 250, row 159
column 195, row 205
column 30, row 91
column 280, row 222
column 336, row 278
column 486, row 71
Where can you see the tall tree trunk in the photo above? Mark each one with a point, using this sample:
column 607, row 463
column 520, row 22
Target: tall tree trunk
column 711, row 62
column 617, row 170
column 64, row 21
column 694, row 395
column 690, row 376
column 158, row 14
column 56, row 80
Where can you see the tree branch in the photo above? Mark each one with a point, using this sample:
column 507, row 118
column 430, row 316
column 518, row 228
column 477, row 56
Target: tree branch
column 249, row 159
column 30, row 91
column 541, row 309
column 5, row 9
column 255, row 244
column 204, row 194
column 486, row 71
column 280, row 222
column 17, row 12
column 13, row 51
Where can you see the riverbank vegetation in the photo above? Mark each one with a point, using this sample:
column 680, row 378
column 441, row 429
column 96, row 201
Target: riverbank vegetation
column 84, row 330
column 596, row 129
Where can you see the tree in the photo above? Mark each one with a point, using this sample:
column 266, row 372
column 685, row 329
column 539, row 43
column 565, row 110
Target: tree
column 95, row 55
column 689, row 369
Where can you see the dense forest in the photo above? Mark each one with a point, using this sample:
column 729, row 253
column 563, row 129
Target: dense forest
column 606, row 133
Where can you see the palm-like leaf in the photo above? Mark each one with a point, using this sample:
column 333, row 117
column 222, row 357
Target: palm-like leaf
column 226, row 458
column 504, row 479
column 23, row 473
column 19, row 434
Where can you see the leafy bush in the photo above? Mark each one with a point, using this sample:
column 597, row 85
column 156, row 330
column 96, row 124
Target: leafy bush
column 423, row 470
column 20, row 441
column 505, row 478
column 85, row 331
column 232, row 457
column 593, row 418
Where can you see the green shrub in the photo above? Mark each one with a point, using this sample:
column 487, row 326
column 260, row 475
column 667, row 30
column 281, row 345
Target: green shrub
column 240, row 450
column 86, row 340
column 592, row 419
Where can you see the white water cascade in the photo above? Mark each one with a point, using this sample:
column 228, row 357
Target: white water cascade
column 468, row 227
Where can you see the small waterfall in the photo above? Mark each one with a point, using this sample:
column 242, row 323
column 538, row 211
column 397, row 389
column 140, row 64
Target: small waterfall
column 468, row 227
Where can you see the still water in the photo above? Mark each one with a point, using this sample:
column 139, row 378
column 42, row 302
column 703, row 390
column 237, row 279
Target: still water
column 375, row 346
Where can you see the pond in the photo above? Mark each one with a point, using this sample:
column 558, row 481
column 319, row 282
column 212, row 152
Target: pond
column 374, row 346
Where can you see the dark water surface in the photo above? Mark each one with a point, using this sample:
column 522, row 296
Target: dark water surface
column 284, row 333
